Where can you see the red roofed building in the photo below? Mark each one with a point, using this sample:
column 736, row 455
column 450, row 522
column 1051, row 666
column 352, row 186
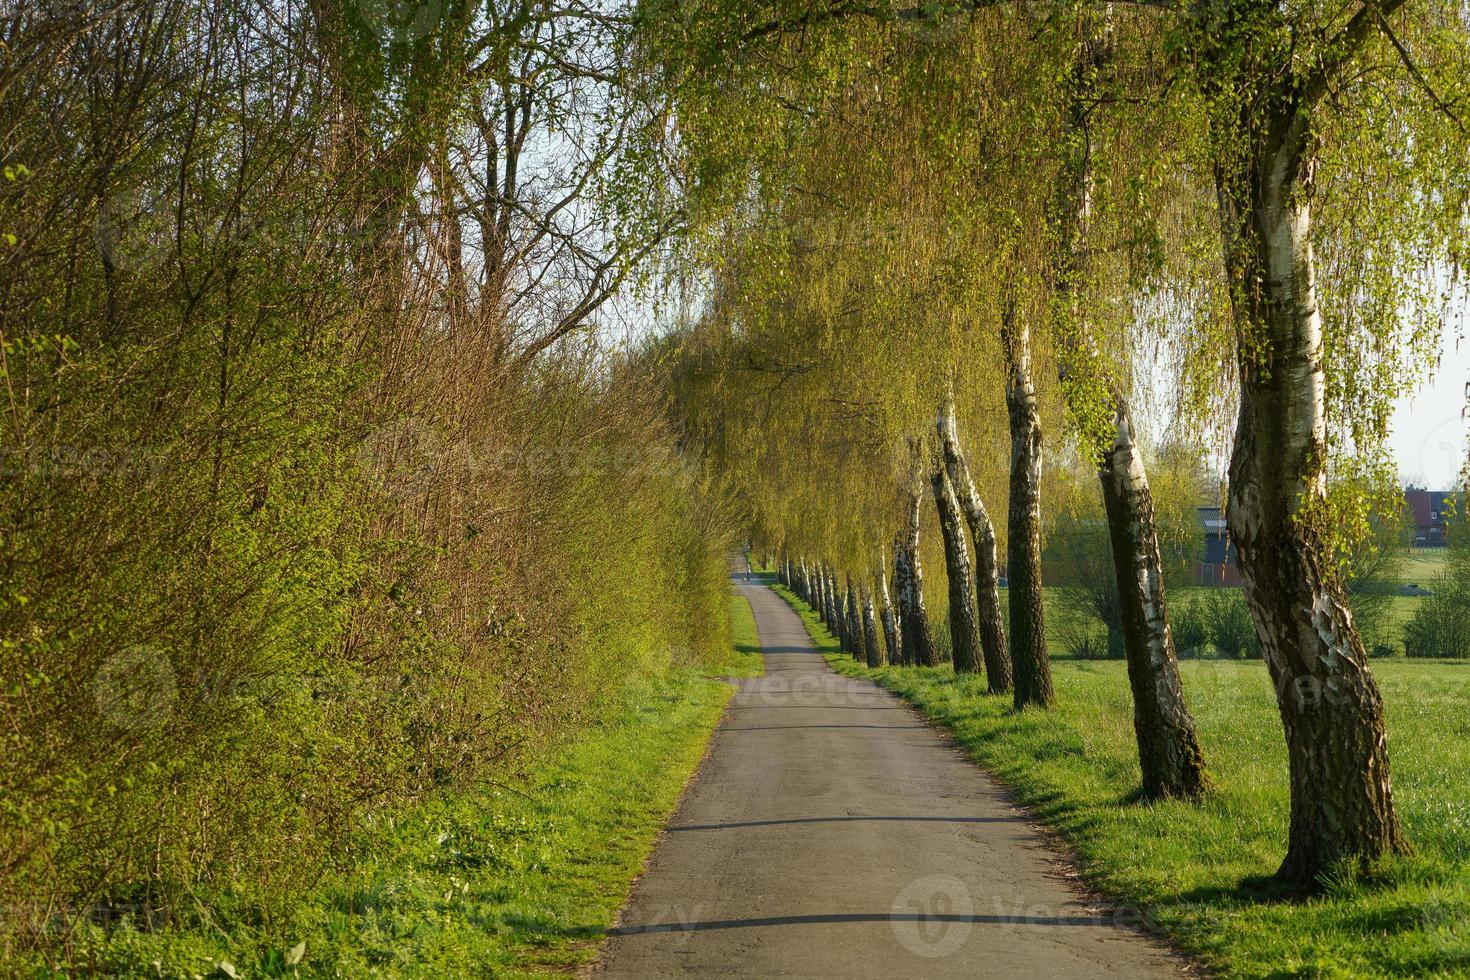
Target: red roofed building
column 1431, row 510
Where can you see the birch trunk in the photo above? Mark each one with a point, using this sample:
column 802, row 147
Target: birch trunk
column 839, row 614
column 834, row 610
column 993, row 645
column 1337, row 744
column 854, row 623
column 872, row 651
column 964, row 629
column 834, row 606
column 889, row 614
column 916, row 637
column 1032, row 669
column 1169, row 756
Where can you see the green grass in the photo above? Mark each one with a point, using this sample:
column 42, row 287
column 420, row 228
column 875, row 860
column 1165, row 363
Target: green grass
column 506, row 881
column 1421, row 566
column 1199, row 873
column 746, row 660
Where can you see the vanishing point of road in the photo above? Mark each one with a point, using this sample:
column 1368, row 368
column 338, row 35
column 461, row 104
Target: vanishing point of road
column 832, row 832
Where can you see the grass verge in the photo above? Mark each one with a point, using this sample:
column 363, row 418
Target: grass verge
column 520, row 880
column 1201, row 873
column 746, row 659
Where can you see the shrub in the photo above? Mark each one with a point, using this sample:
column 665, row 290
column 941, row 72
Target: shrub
column 286, row 546
column 1214, row 622
column 1440, row 626
column 1228, row 623
column 1190, row 627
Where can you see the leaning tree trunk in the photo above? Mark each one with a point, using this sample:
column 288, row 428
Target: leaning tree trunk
column 1337, row 744
column 872, row 651
column 916, row 638
column 840, row 626
column 1023, row 525
column 889, row 614
column 831, row 611
column 834, row 605
column 964, row 629
column 1169, row 755
column 987, row 575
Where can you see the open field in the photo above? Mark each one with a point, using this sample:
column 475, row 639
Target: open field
column 1198, row 873
column 1421, row 566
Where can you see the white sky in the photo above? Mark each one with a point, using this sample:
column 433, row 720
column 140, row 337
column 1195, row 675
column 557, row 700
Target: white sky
column 1428, row 437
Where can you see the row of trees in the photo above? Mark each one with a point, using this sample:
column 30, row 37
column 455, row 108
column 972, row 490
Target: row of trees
column 322, row 489
column 913, row 216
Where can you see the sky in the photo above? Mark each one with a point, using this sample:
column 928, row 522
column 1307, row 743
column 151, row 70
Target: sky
column 1428, row 434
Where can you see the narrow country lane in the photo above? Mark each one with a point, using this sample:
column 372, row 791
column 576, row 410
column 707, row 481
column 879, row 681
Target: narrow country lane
column 831, row 832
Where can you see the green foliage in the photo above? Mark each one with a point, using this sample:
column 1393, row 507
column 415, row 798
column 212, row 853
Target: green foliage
column 514, row 878
column 286, row 548
column 1214, row 620
column 1441, row 625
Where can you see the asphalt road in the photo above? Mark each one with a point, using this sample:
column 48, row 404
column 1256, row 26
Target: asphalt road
column 831, row 832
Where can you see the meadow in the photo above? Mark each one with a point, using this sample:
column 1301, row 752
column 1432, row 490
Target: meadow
column 1201, row 874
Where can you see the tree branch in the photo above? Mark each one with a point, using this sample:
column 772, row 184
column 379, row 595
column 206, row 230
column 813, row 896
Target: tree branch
column 932, row 11
column 1418, row 76
column 1342, row 48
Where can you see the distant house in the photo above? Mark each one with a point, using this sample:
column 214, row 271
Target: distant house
column 1431, row 510
column 1217, row 562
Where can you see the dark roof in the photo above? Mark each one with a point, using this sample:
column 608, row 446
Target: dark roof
column 1212, row 520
